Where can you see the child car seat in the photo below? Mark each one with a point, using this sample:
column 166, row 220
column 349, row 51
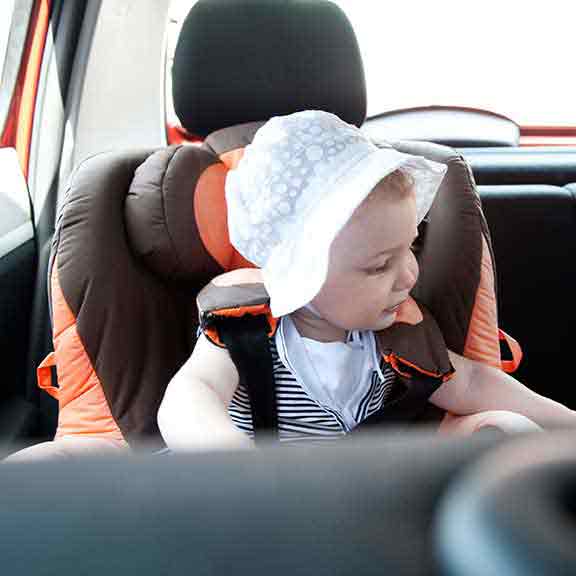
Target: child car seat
column 141, row 232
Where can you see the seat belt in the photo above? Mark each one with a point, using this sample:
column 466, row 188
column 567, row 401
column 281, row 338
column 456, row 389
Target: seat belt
column 246, row 339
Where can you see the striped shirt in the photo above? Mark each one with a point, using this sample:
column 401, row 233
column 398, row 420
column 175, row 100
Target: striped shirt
column 299, row 416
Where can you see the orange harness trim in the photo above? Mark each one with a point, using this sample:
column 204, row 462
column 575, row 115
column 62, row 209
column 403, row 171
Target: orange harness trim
column 396, row 361
column 257, row 310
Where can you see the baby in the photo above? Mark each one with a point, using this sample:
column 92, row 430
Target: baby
column 330, row 219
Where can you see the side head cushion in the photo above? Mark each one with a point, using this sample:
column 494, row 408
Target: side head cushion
column 176, row 215
column 457, row 273
column 175, row 212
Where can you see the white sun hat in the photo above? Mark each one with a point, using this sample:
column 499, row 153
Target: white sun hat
column 295, row 188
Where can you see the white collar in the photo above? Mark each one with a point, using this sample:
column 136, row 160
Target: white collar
column 336, row 375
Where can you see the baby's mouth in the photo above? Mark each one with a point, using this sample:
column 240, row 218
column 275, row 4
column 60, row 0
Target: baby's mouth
column 394, row 308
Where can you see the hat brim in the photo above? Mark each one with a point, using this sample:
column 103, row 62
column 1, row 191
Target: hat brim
column 296, row 269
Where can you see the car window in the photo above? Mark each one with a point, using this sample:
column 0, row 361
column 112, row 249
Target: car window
column 6, row 9
column 510, row 58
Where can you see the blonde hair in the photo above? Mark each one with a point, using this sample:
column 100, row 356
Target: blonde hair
column 394, row 186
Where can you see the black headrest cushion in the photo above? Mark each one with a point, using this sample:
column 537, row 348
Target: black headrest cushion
column 239, row 61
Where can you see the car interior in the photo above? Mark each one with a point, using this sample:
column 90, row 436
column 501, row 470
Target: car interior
column 96, row 183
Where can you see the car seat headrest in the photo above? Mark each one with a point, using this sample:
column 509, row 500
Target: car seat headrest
column 248, row 60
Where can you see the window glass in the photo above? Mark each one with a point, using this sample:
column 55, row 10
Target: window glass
column 510, row 57
column 6, row 9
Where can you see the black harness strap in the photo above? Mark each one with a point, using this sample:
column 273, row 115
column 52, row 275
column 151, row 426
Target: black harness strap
column 246, row 339
column 408, row 406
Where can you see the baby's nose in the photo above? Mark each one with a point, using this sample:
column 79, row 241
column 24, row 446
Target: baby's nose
column 408, row 276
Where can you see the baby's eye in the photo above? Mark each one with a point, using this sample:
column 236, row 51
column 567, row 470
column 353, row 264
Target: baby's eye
column 379, row 269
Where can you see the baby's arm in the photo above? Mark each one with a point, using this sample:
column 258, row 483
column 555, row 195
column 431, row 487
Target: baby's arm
column 193, row 414
column 477, row 387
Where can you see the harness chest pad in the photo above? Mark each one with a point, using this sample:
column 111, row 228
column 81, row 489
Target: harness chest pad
column 416, row 349
column 234, row 294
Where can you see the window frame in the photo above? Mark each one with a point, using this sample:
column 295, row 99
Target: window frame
column 15, row 49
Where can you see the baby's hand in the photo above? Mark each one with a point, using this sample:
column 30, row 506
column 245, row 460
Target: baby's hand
column 505, row 420
column 479, row 390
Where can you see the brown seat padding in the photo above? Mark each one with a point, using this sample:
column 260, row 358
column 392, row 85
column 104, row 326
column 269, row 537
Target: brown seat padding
column 135, row 326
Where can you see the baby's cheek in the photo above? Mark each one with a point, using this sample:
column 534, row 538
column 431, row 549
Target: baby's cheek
column 346, row 308
column 330, row 301
column 414, row 267
column 383, row 296
column 369, row 307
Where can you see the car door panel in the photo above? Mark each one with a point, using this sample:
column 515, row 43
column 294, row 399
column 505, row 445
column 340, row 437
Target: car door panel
column 18, row 258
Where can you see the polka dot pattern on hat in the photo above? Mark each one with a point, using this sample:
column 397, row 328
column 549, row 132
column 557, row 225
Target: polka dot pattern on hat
column 290, row 158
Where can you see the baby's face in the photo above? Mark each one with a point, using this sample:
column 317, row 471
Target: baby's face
column 372, row 267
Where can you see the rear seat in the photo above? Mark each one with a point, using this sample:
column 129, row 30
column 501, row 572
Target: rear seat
column 513, row 165
column 533, row 228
